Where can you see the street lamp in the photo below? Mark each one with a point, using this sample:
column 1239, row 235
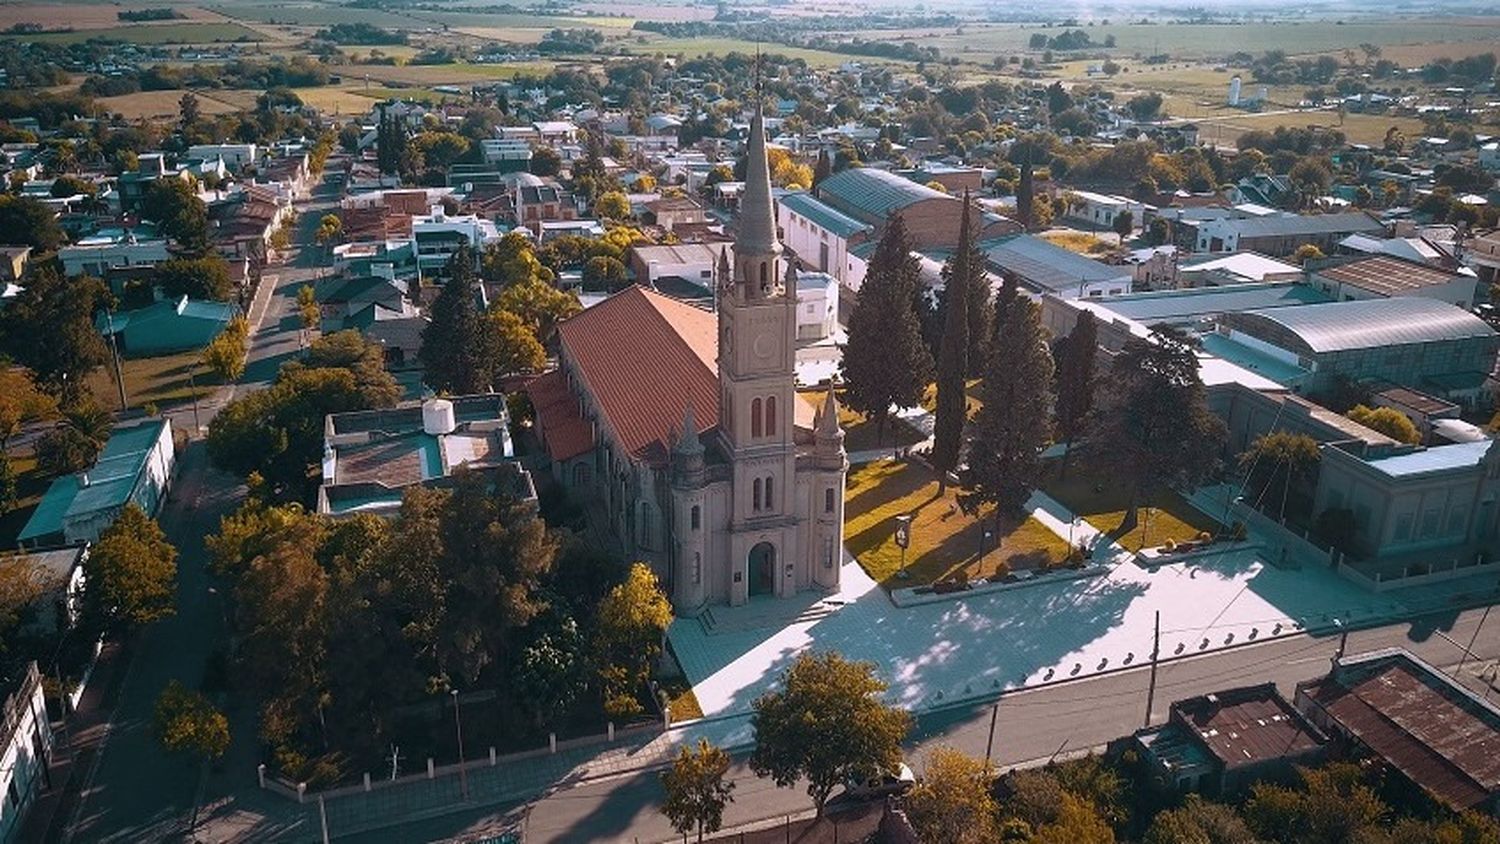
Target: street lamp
column 458, row 724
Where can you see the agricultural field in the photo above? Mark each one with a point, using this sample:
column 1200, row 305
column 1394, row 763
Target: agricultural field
column 83, row 15
column 156, row 33
column 693, row 47
column 153, row 104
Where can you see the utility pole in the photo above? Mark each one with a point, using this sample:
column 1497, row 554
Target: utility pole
column 115, row 353
column 989, row 745
column 458, row 724
column 1472, row 639
column 1155, row 652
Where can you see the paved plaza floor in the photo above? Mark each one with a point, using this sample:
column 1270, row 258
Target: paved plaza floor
column 936, row 654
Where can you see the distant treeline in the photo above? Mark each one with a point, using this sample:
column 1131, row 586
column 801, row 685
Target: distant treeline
column 299, row 72
column 362, row 34
column 138, row 15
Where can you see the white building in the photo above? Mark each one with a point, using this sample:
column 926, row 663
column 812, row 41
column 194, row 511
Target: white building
column 437, row 235
column 235, row 156
column 99, row 253
column 1100, row 209
column 25, row 747
column 817, row 306
column 820, row 234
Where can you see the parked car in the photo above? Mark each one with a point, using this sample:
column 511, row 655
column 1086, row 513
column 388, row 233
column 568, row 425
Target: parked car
column 899, row 781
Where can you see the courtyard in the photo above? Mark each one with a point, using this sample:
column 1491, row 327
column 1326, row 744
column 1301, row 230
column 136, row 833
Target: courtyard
column 1163, row 514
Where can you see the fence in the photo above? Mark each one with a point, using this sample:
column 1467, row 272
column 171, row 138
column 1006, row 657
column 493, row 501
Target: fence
column 299, row 792
column 1417, row 574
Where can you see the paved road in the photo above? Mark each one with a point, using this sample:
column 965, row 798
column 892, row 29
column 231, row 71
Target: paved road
column 134, row 792
column 1031, row 725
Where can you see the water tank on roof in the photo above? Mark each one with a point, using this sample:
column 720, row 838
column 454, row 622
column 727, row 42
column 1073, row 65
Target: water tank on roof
column 437, row 417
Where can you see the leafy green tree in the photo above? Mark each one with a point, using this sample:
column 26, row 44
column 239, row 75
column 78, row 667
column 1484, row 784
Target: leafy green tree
column 602, row 271
column 195, row 278
column 1279, row 459
column 953, row 801
column 49, row 329
column 1389, row 421
column 1123, row 225
column 1076, row 356
column 308, row 312
column 825, row 722
column 74, row 444
column 511, row 261
column 1199, row 821
column 1077, row 823
column 552, row 673
column 696, row 790
column 1027, row 152
column 1333, row 804
column 545, row 162
column 173, row 204
column 1013, row 426
column 1153, row 426
column 459, row 347
column 348, row 349
column 539, row 305
column 27, row 222
column 187, row 723
column 225, row 354
column 960, row 274
column 132, row 571
column 330, row 228
column 885, row 362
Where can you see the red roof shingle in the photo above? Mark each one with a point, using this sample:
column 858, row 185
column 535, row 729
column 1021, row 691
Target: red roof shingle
column 565, row 433
column 644, row 357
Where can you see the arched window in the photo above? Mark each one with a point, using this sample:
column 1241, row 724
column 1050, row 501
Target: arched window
column 828, row 500
column 770, row 494
column 755, row 420
column 755, row 497
column 695, row 516
column 771, row 416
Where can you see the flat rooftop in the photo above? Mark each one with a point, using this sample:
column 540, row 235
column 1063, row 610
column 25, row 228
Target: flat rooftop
column 1248, row 726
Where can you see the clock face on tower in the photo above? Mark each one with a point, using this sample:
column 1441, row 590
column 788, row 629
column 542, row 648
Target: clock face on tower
column 762, row 346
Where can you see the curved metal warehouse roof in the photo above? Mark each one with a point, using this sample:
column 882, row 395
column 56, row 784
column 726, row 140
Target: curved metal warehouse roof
column 1370, row 323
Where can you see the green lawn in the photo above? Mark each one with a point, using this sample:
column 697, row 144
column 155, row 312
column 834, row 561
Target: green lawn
column 1163, row 514
column 162, row 381
column 944, row 541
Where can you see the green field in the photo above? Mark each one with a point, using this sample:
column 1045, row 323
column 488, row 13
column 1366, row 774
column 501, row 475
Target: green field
column 166, row 33
column 982, row 42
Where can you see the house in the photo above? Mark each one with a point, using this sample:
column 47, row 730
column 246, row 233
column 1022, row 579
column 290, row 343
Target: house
column 341, row 297
column 691, row 262
column 543, row 202
column 235, row 156
column 25, row 747
column 507, row 155
column 1224, row 742
column 955, row 179
column 1418, row 721
column 1386, row 276
column 1100, row 210
column 135, row 466
column 112, row 249
column 817, row 306
column 820, row 235
column 59, row 574
column 397, row 331
column 1279, row 235
column 163, row 328
column 671, row 212
column 1044, row 267
column 709, row 466
column 437, row 235
column 1233, row 268
column 1262, row 189
column 289, row 175
column 370, row 457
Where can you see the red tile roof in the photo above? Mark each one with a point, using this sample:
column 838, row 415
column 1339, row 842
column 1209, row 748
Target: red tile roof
column 565, row 434
column 644, row 356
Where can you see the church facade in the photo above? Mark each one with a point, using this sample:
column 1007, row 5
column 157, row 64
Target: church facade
column 684, row 427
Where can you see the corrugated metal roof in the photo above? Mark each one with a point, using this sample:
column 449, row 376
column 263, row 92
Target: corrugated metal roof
column 1279, row 226
column 1045, row 264
column 1374, row 323
column 1188, row 305
column 824, row 216
column 1387, row 275
column 873, row 193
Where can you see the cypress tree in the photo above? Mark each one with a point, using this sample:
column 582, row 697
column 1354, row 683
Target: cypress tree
column 460, row 345
column 885, row 362
column 1012, row 427
column 953, row 354
column 1075, row 381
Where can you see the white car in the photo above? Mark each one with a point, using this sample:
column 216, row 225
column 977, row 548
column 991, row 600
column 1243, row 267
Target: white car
column 899, row 781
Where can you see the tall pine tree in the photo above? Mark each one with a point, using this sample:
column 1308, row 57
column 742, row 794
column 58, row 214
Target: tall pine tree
column 885, row 362
column 1013, row 425
column 460, row 346
column 1075, row 381
column 953, row 355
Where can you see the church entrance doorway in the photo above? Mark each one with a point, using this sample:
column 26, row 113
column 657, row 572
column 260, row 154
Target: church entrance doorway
column 762, row 569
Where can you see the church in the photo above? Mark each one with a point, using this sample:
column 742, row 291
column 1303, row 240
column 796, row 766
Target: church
column 684, row 427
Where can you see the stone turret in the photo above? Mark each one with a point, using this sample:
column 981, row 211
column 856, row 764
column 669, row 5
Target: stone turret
column 828, row 434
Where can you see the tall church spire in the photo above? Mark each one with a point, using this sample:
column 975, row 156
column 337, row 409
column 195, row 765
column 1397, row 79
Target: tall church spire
column 757, row 234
